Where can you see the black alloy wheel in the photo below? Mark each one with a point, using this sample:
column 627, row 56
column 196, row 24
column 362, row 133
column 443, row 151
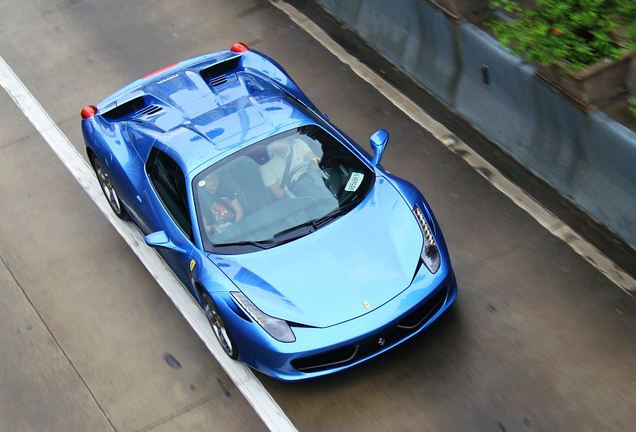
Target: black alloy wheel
column 109, row 190
column 218, row 327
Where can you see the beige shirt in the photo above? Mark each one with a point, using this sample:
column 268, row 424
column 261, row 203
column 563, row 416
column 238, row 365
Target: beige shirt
column 272, row 171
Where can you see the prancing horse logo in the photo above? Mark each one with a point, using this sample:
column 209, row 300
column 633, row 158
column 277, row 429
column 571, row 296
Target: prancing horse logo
column 381, row 342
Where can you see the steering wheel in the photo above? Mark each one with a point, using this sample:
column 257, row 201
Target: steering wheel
column 298, row 168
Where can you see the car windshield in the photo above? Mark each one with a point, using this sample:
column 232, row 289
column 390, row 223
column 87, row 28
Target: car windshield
column 278, row 190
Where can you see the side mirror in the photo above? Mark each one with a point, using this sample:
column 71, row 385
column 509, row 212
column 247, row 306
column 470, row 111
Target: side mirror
column 378, row 144
column 160, row 239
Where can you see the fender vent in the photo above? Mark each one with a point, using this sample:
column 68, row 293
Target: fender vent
column 149, row 110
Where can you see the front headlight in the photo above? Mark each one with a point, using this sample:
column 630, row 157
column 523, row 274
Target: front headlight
column 276, row 328
column 430, row 252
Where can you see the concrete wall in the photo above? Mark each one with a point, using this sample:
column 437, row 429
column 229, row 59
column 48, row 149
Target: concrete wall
column 588, row 157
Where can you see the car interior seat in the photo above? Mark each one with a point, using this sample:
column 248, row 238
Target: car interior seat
column 244, row 173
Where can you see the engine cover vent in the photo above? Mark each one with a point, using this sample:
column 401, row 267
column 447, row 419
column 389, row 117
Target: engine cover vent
column 150, row 110
column 217, row 81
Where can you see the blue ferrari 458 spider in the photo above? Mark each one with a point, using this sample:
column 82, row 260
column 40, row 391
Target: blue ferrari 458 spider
column 306, row 256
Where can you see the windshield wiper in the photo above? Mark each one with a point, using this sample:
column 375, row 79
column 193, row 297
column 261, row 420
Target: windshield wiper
column 261, row 244
column 297, row 230
column 332, row 215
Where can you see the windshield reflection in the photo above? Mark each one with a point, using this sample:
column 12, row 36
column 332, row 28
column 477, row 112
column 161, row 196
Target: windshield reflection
column 277, row 190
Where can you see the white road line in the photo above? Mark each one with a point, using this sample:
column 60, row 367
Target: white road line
column 549, row 221
column 251, row 388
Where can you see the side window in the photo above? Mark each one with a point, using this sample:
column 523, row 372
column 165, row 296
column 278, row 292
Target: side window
column 169, row 183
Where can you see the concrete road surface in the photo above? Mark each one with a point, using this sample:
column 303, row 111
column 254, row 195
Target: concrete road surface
column 537, row 341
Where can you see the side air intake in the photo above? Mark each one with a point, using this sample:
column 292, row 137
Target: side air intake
column 216, row 74
column 125, row 109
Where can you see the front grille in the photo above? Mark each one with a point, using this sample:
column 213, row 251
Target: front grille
column 326, row 360
column 370, row 345
column 424, row 312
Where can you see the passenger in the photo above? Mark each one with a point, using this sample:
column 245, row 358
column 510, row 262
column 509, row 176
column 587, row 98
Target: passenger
column 283, row 168
column 219, row 203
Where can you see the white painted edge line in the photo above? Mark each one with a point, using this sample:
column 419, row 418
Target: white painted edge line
column 251, row 388
column 549, row 221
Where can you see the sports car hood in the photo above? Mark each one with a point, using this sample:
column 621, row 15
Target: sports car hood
column 344, row 270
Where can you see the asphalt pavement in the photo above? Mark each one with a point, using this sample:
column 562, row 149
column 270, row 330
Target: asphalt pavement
column 538, row 339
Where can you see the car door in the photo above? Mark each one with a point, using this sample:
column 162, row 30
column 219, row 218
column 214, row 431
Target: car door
column 167, row 196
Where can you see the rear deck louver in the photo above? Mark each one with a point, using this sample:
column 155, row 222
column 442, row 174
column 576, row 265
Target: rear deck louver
column 216, row 81
column 149, row 110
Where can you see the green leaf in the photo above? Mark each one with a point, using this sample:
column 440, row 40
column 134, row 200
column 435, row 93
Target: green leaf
column 577, row 31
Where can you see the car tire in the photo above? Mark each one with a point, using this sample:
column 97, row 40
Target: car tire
column 109, row 190
column 218, row 327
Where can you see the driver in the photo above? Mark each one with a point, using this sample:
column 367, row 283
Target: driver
column 285, row 165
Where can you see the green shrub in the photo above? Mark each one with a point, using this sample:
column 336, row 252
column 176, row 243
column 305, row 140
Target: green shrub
column 632, row 106
column 579, row 32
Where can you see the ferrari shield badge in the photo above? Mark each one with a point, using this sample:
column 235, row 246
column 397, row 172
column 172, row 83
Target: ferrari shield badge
column 192, row 264
column 366, row 304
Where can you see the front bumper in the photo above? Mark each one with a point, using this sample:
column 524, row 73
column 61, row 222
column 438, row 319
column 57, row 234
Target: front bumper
column 321, row 351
